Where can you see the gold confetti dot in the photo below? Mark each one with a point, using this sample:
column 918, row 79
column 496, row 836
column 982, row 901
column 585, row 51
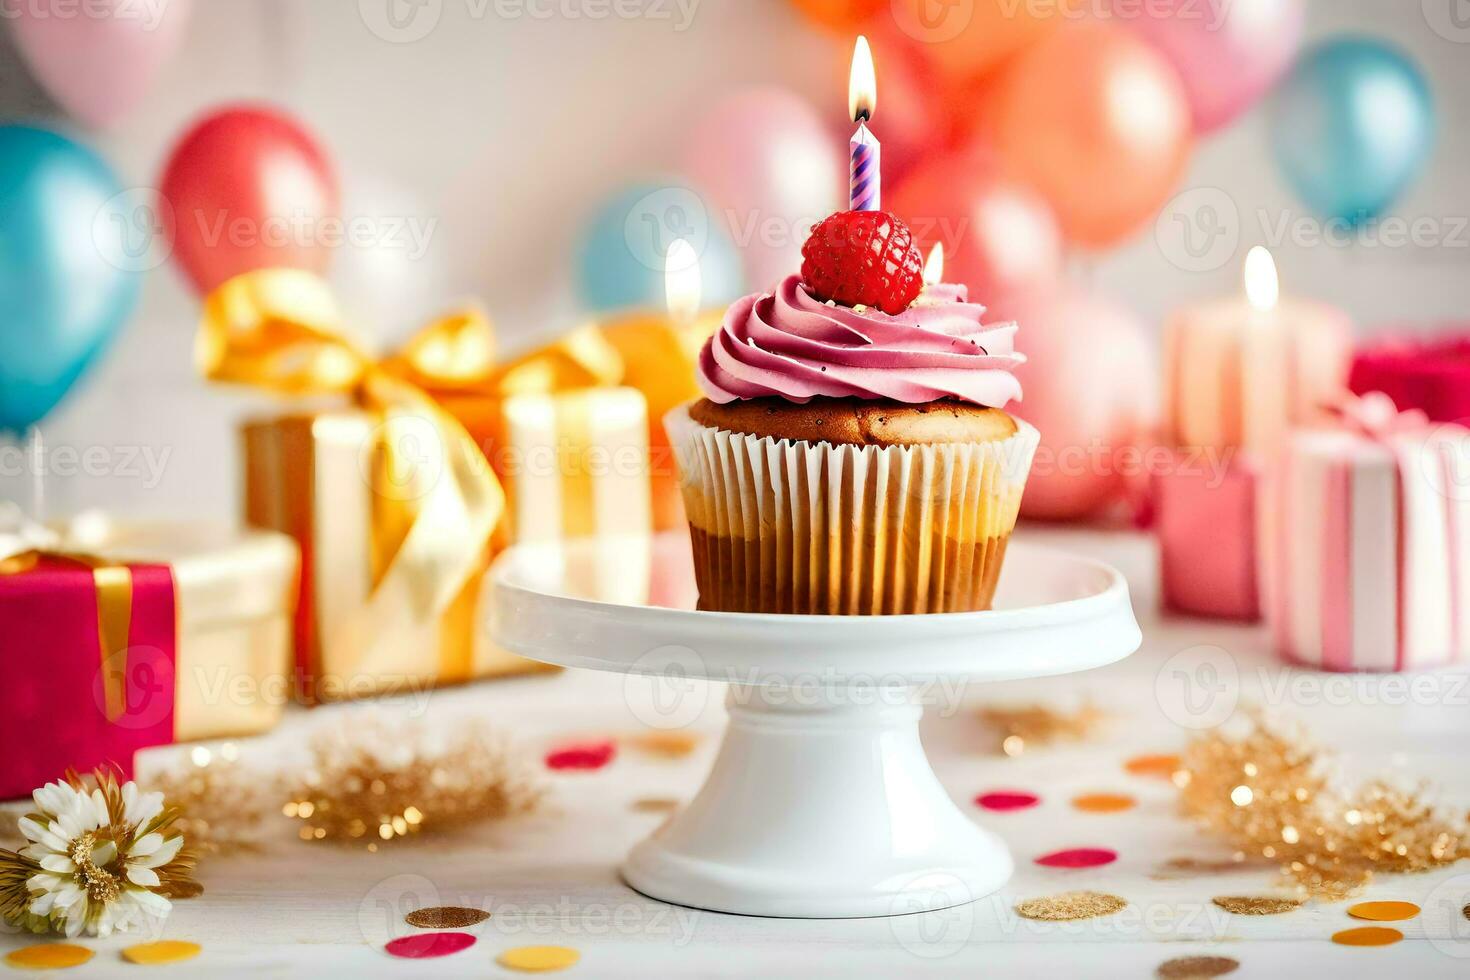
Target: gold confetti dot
column 1256, row 905
column 159, row 953
column 48, row 956
column 1104, row 803
column 1070, row 906
column 1367, row 936
column 1384, row 911
column 446, row 917
column 666, row 744
column 656, row 804
column 538, row 959
column 1197, row 967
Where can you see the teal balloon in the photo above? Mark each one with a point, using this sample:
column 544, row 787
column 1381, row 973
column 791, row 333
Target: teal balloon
column 63, row 296
column 620, row 257
column 1352, row 126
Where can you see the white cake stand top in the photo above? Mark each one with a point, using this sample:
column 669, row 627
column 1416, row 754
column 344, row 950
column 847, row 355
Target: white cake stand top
column 627, row 605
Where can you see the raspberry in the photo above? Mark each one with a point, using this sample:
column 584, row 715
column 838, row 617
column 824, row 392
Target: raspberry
column 863, row 258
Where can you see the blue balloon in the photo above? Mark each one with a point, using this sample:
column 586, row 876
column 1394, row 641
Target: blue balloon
column 620, row 259
column 1352, row 127
column 63, row 294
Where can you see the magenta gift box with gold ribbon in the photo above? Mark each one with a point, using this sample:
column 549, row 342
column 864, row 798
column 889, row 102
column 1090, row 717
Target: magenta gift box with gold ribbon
column 138, row 635
column 1368, row 543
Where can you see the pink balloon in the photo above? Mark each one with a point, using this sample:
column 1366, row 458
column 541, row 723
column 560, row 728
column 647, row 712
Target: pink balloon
column 770, row 170
column 1091, row 387
column 1228, row 52
column 99, row 58
column 999, row 236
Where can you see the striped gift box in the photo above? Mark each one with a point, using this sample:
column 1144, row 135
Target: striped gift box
column 1369, row 544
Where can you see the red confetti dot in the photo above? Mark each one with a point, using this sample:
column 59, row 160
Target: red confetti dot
column 1007, row 800
column 1078, row 857
column 582, row 755
column 426, row 946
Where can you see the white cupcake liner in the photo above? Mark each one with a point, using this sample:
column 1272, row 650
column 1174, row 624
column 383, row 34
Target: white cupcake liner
column 791, row 526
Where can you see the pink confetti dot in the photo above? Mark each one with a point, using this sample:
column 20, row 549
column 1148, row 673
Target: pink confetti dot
column 1078, row 857
column 582, row 755
column 1003, row 800
column 426, row 946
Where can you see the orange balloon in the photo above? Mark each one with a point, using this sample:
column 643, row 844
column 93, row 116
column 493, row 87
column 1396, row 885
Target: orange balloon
column 840, row 15
column 1099, row 123
column 966, row 38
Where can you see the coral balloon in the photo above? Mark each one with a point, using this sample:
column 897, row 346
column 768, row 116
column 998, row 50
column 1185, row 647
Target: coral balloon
column 66, row 281
column 771, row 170
column 999, row 236
column 966, row 38
column 1228, row 52
column 1091, row 387
column 1352, row 127
column 250, row 188
column 842, row 16
column 99, row 62
column 1098, row 122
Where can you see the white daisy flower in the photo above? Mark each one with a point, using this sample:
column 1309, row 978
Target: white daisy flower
column 94, row 862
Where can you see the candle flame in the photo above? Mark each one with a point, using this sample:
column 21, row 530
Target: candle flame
column 1262, row 285
column 862, row 83
column 934, row 266
column 682, row 286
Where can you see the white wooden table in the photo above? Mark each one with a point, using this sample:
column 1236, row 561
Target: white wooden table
column 300, row 909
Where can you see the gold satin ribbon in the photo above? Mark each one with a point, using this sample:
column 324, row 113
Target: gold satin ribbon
column 281, row 330
column 113, row 584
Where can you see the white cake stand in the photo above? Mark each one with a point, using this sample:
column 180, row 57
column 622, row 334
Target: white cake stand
column 821, row 803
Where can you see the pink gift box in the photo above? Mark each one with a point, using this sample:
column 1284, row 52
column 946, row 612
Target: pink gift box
column 55, row 712
column 1205, row 523
column 1369, row 549
column 1431, row 376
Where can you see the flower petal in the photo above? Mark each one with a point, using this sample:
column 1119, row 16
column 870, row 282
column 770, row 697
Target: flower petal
column 104, row 854
column 164, row 854
column 140, row 875
column 39, row 833
column 145, row 845
column 58, row 864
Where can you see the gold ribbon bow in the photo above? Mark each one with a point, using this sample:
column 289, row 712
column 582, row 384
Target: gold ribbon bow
column 281, row 330
column 22, row 548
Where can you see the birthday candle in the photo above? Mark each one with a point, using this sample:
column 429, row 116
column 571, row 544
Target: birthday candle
column 862, row 98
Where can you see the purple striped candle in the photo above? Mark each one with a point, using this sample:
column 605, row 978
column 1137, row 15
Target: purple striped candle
column 866, row 192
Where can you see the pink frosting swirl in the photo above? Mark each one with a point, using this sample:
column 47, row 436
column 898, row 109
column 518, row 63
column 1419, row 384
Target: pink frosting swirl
column 790, row 345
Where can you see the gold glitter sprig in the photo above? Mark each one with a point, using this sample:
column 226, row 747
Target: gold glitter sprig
column 222, row 804
column 1035, row 725
column 377, row 782
column 1268, row 794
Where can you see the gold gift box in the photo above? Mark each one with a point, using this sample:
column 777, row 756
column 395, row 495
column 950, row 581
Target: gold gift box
column 574, row 463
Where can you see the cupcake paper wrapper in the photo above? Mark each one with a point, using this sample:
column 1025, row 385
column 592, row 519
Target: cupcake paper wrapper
column 800, row 527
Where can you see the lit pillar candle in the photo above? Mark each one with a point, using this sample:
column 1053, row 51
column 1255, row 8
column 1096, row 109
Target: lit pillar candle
column 1240, row 372
column 866, row 192
column 936, row 291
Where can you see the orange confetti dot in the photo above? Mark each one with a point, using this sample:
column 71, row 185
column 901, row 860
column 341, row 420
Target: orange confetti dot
column 164, row 951
column 667, row 744
column 1367, row 936
column 1104, row 803
column 1160, row 766
column 1384, row 911
column 48, row 956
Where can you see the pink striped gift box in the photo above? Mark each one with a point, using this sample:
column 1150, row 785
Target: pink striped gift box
column 1368, row 541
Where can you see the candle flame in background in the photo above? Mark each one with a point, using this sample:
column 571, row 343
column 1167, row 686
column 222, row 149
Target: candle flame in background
column 934, row 265
column 862, row 83
column 682, row 286
column 1262, row 285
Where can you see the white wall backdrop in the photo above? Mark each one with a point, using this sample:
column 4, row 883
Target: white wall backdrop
column 504, row 131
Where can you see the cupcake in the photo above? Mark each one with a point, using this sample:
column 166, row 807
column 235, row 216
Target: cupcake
column 852, row 454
